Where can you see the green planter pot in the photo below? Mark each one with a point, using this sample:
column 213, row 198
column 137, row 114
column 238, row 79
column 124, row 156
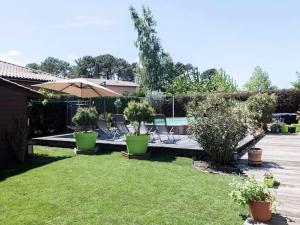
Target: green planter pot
column 284, row 129
column 297, row 127
column 137, row 144
column 85, row 140
column 269, row 182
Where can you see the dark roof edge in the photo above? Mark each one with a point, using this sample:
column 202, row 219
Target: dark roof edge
column 14, row 86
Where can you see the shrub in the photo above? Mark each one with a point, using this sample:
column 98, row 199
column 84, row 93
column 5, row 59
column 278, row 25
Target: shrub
column 248, row 190
column 85, row 118
column 16, row 138
column 138, row 112
column 218, row 125
column 155, row 99
column 260, row 107
column 118, row 104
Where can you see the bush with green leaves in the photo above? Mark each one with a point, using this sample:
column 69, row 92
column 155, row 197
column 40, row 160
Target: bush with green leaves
column 260, row 109
column 218, row 125
column 138, row 112
column 85, row 118
column 156, row 99
column 118, row 104
column 248, row 190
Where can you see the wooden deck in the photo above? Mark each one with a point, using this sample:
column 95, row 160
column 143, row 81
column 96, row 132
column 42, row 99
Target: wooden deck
column 184, row 145
column 281, row 155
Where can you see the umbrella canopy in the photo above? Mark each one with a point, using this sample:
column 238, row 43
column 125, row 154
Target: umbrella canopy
column 79, row 87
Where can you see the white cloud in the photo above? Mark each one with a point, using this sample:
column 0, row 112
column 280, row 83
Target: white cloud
column 14, row 52
column 85, row 21
column 11, row 56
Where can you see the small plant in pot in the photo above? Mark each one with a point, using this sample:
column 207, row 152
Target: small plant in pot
column 136, row 113
column 269, row 179
column 260, row 108
column 85, row 120
column 256, row 195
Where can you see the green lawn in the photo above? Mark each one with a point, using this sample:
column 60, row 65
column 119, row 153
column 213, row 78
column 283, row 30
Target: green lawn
column 58, row 188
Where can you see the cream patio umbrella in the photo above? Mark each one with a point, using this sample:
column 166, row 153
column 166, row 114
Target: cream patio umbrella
column 79, row 87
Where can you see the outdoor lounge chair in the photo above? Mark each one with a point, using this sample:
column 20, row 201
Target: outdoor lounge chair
column 103, row 129
column 119, row 122
column 161, row 128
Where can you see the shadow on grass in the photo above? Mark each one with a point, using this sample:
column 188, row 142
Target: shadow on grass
column 30, row 163
column 276, row 219
column 161, row 157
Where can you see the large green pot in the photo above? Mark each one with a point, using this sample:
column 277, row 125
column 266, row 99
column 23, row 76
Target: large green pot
column 297, row 127
column 284, row 129
column 86, row 140
column 137, row 144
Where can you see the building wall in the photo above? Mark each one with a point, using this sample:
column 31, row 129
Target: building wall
column 121, row 89
column 13, row 104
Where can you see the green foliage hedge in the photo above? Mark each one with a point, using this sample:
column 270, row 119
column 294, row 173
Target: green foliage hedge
column 288, row 101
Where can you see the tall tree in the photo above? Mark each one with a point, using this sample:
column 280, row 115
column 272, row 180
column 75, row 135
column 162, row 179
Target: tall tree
column 151, row 54
column 85, row 67
column 53, row 65
column 259, row 81
column 104, row 66
column 296, row 83
column 211, row 80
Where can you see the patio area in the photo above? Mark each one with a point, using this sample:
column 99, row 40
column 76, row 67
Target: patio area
column 281, row 155
column 184, row 145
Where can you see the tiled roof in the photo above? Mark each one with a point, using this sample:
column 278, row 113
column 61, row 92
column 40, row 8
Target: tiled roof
column 9, row 70
column 114, row 82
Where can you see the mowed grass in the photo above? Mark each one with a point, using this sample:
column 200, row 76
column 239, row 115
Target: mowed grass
column 57, row 187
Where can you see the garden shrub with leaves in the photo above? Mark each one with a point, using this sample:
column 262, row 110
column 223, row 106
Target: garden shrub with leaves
column 248, row 190
column 85, row 118
column 261, row 107
column 138, row 112
column 218, row 125
column 156, row 99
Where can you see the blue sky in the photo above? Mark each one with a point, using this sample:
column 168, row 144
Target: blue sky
column 233, row 34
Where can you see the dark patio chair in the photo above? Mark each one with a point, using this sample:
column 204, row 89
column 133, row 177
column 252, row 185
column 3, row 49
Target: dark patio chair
column 119, row 122
column 161, row 128
column 103, row 129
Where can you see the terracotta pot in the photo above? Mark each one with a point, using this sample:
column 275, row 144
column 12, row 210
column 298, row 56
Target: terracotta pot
column 260, row 211
column 254, row 156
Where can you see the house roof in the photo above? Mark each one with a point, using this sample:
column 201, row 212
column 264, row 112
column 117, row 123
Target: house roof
column 113, row 82
column 17, row 87
column 13, row 71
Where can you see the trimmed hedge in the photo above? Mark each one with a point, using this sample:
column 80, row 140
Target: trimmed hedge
column 52, row 118
column 288, row 101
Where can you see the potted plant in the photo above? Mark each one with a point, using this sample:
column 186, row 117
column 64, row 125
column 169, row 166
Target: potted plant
column 256, row 195
column 260, row 109
column 136, row 113
column 85, row 120
column 269, row 179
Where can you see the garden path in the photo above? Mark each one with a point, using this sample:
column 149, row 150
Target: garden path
column 281, row 155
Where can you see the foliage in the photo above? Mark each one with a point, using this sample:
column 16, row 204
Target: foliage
column 169, row 191
column 211, row 80
column 218, row 126
column 16, row 138
column 155, row 99
column 248, row 190
column 259, row 81
column 155, row 66
column 269, row 175
column 85, row 118
column 296, row 84
column 260, row 109
column 54, row 66
column 118, row 104
column 138, row 112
